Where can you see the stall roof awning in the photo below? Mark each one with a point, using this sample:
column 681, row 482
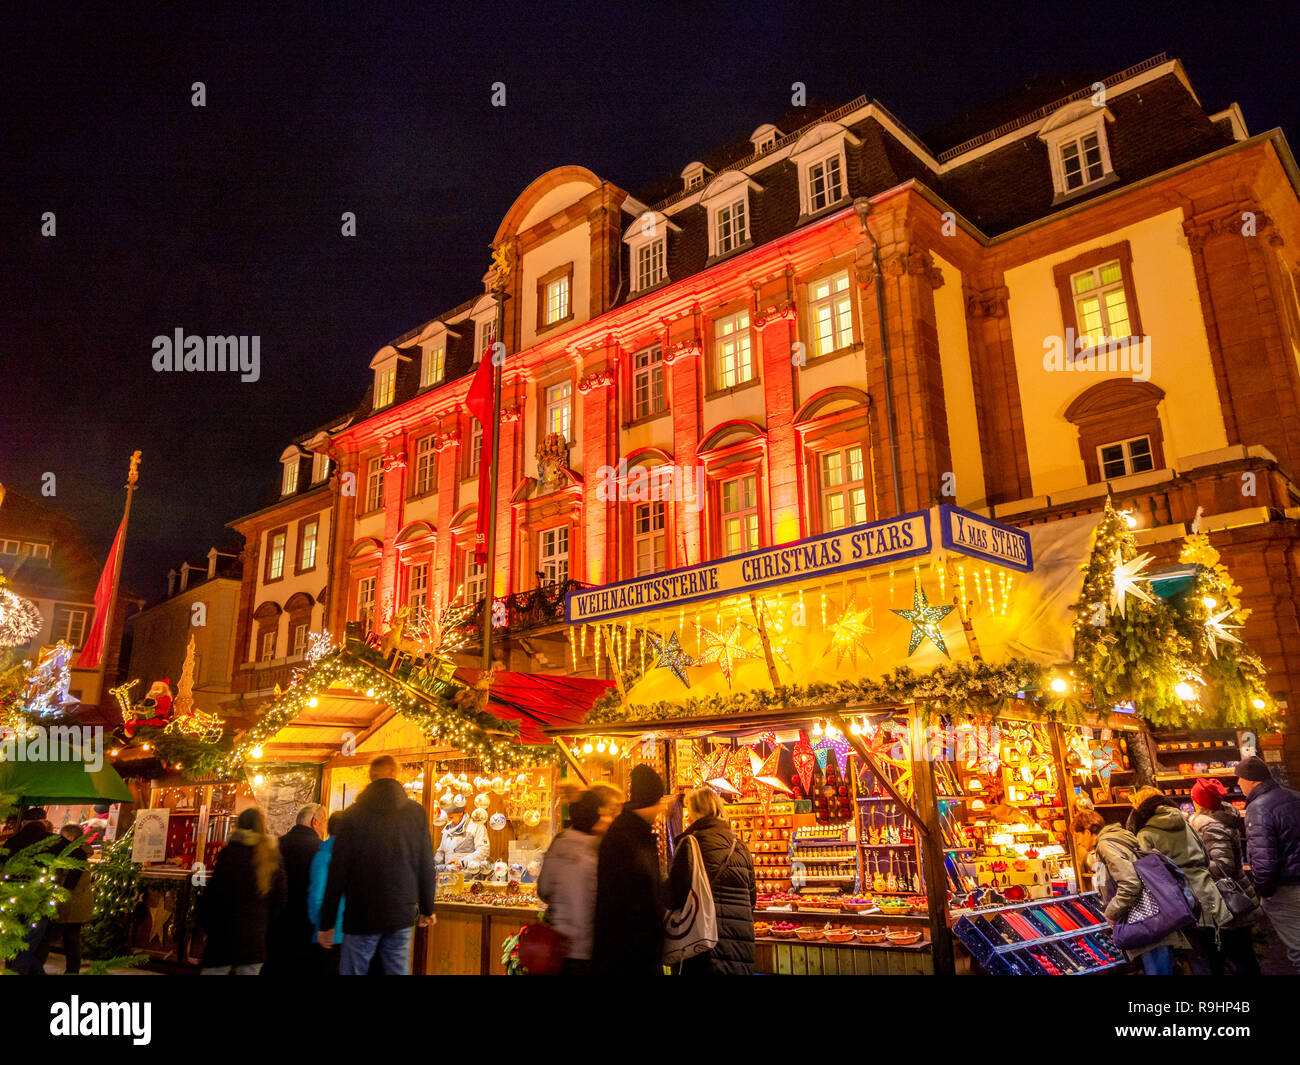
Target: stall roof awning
column 538, row 701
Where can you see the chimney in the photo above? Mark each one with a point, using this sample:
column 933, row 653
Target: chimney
column 171, row 583
column 212, row 562
column 185, row 575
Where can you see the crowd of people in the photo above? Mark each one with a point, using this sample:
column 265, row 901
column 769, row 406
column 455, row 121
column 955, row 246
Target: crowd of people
column 1236, row 870
column 344, row 895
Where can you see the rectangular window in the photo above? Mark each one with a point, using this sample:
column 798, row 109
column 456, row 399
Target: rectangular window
column 69, row 624
column 825, row 183
column 1081, row 162
column 307, row 556
column 559, row 408
column 475, row 459
column 385, row 384
column 740, row 515
column 648, row 538
column 1126, row 456
column 475, row 578
column 830, row 308
column 426, row 465
column 267, row 651
column 729, row 228
column 289, row 484
column 648, row 382
column 300, row 639
column 417, row 587
column 320, row 467
column 486, row 332
column 649, row 264
column 553, row 554
column 843, row 489
column 556, row 301
column 366, row 603
column 275, row 556
column 374, row 484
column 735, row 362
column 1101, row 303
column 39, row 551
column 433, row 366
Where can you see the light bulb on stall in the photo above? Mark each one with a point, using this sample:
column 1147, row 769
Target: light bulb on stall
column 1059, row 685
column 600, row 747
column 313, row 701
column 817, row 729
column 256, row 752
column 257, row 780
column 1258, row 704
column 613, row 747
column 1210, row 602
column 586, row 747
column 1184, row 691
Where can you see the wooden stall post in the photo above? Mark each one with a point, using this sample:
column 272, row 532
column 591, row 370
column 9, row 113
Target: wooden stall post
column 936, row 880
column 1063, row 783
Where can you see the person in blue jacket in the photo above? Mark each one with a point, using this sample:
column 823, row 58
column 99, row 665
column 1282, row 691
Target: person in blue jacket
column 320, row 871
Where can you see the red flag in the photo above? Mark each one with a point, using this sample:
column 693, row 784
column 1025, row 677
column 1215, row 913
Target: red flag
column 480, row 401
column 93, row 649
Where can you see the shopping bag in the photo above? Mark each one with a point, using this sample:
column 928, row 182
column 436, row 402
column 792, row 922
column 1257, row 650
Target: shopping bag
column 693, row 929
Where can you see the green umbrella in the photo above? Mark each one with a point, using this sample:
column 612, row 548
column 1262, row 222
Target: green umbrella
column 42, row 783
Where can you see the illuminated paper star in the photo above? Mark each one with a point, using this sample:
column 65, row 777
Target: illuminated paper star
column 849, row 634
column 1124, row 578
column 724, row 649
column 925, row 620
column 670, row 656
column 1216, row 630
column 765, row 771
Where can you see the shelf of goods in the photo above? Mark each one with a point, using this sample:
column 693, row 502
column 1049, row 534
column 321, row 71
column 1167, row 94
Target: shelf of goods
column 821, row 940
column 1063, row 936
column 766, row 832
column 1184, row 755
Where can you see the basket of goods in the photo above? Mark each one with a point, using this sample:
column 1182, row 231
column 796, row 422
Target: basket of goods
column 919, row 904
column 895, row 907
column 857, row 904
column 903, row 937
column 840, row 935
column 818, row 905
column 785, row 929
column 808, row 934
column 762, row 928
column 870, row 935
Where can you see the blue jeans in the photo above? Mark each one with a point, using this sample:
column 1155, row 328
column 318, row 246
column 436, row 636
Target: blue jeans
column 1158, row 962
column 394, row 952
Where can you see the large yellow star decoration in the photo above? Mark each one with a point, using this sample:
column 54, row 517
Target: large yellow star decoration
column 925, row 621
column 724, row 649
column 849, row 634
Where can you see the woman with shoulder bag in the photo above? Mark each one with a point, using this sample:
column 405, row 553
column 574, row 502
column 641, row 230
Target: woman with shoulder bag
column 1118, row 849
column 1223, row 834
column 730, row 871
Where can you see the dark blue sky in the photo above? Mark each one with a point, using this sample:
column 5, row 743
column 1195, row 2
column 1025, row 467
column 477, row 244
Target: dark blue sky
column 225, row 219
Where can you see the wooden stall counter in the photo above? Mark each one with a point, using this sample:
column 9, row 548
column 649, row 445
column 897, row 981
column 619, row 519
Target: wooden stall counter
column 467, row 939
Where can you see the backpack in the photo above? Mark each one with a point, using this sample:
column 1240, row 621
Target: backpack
column 692, row 929
column 1167, row 904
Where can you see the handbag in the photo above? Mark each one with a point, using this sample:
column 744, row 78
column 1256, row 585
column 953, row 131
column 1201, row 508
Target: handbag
column 692, row 929
column 1235, row 896
column 542, row 949
column 1165, row 905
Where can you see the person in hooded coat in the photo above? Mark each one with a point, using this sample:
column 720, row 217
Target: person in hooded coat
column 1159, row 825
column 246, row 890
column 1223, row 833
column 730, row 869
column 568, row 882
column 631, row 899
column 1118, row 849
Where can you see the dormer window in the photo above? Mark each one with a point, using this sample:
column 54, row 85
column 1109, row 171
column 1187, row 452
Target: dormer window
column 289, row 482
column 320, row 467
column 823, row 167
column 647, row 244
column 1076, row 144
column 727, row 202
column 764, row 137
column 693, row 176
column 433, row 365
column 484, row 317
column 384, row 365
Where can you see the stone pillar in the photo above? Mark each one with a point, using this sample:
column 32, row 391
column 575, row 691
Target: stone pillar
column 682, row 357
column 387, row 593
column 597, row 389
column 445, row 578
column 775, row 323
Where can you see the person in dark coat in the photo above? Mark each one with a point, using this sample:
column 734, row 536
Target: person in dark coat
column 730, row 869
column 383, row 866
column 293, row 947
column 32, row 829
column 1273, row 849
column 631, row 899
column 1223, row 833
column 244, row 893
column 79, row 906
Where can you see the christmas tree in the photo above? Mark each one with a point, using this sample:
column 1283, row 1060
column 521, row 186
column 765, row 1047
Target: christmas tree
column 1235, row 690
column 1128, row 646
column 116, row 897
column 29, row 886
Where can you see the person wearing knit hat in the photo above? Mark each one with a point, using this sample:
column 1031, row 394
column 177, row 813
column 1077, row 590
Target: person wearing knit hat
column 1223, row 835
column 1273, row 849
column 631, row 893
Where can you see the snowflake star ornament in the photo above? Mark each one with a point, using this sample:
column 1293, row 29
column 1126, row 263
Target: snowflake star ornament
column 1216, row 630
column 849, row 634
column 1124, row 581
column 724, row 649
column 925, row 621
column 669, row 655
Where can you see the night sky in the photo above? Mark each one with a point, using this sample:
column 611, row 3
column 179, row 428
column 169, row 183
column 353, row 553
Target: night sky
column 226, row 219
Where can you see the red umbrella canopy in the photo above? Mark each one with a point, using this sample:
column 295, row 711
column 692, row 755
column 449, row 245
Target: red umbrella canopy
column 538, row 701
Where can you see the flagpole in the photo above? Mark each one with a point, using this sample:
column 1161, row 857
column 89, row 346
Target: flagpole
column 489, row 572
column 132, row 475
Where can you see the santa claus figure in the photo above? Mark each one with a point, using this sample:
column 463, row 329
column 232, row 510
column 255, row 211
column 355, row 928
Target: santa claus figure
column 154, row 709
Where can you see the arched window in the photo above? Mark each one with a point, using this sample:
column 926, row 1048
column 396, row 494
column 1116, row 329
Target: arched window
column 1119, row 429
column 836, row 467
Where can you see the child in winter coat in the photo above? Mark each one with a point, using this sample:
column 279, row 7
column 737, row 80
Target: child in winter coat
column 1223, row 833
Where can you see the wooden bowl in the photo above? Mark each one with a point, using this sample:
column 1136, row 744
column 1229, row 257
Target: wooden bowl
column 762, row 928
column 839, row 937
column 870, row 935
column 903, row 938
column 808, row 935
column 785, row 933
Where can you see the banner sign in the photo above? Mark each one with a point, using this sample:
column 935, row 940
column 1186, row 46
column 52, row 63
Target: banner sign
column 978, row 537
column 876, row 544
column 149, row 844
